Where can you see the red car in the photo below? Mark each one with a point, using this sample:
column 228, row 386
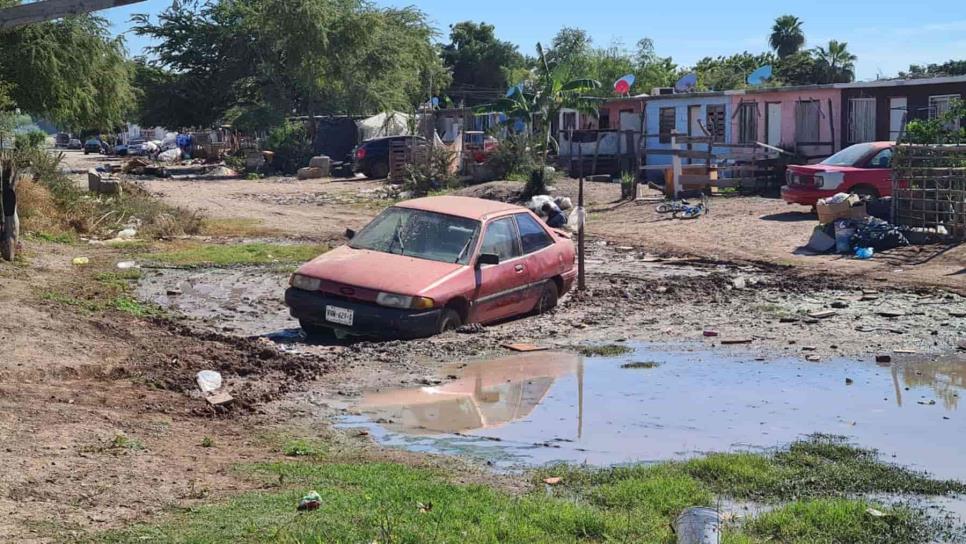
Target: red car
column 430, row 265
column 863, row 169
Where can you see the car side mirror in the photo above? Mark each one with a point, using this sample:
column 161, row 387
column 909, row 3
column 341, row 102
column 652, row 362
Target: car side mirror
column 350, row 234
column 487, row 258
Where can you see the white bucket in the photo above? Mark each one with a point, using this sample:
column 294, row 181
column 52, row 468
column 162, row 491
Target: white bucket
column 698, row 526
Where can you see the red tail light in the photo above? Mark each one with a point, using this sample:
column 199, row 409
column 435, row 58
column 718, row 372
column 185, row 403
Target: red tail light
column 360, row 153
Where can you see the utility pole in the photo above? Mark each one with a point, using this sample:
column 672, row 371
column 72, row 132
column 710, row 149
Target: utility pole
column 581, row 217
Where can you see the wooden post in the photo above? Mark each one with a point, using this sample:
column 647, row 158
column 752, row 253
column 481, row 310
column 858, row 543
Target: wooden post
column 581, row 280
column 831, row 126
column 10, row 224
column 675, row 166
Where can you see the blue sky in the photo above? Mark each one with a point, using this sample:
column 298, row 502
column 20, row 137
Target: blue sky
column 886, row 35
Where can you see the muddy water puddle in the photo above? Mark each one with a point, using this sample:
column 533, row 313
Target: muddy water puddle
column 539, row 408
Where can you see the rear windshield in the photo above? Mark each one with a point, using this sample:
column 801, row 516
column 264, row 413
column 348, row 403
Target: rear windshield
column 421, row 234
column 850, row 155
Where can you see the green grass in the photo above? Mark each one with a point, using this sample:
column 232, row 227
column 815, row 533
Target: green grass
column 198, row 255
column 392, row 502
column 109, row 291
column 66, row 238
column 603, row 350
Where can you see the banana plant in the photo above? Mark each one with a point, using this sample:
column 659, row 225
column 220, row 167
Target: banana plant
column 539, row 101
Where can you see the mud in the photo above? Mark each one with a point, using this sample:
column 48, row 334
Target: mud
column 549, row 407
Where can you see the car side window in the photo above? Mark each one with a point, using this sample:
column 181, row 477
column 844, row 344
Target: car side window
column 532, row 236
column 882, row 159
column 501, row 239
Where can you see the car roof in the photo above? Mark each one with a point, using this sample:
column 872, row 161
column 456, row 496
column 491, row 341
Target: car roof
column 462, row 206
column 388, row 138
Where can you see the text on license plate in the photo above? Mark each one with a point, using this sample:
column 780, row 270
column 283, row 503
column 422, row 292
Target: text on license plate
column 342, row 316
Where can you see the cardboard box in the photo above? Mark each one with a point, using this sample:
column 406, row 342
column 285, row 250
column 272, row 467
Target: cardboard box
column 851, row 208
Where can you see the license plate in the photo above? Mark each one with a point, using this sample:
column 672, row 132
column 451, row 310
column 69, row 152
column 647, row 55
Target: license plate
column 342, row 316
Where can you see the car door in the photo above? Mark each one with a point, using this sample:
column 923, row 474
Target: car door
column 542, row 262
column 500, row 288
column 879, row 171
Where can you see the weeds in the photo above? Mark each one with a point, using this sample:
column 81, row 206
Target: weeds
column 236, row 228
column 123, row 442
column 302, row 447
column 109, row 291
column 207, row 442
column 198, row 255
column 390, row 502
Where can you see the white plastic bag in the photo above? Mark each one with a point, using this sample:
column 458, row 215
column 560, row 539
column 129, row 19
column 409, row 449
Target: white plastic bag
column 577, row 218
column 209, row 381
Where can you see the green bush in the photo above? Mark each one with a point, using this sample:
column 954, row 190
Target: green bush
column 514, row 159
column 292, row 147
column 34, row 139
column 424, row 176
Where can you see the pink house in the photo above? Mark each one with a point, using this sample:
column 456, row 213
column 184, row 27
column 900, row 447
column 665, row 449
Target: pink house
column 799, row 119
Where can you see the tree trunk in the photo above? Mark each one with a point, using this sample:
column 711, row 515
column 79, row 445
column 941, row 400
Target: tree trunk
column 10, row 227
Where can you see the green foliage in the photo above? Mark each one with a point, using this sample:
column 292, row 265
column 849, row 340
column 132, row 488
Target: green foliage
column 195, row 254
column 944, row 129
column 514, row 158
column 291, row 145
column 30, row 141
column 432, row 173
column 835, row 63
column 390, row 502
column 603, row 350
column 948, row 68
column 726, row 73
column 71, row 71
column 480, row 63
column 256, row 61
column 787, row 37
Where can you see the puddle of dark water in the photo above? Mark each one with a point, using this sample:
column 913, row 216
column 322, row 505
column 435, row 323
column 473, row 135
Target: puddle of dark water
column 540, row 408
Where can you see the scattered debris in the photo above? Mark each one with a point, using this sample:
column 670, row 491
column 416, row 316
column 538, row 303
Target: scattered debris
column 311, row 501
column 524, row 348
column 735, row 341
column 891, row 313
column 840, row 304
column 127, row 265
column 824, row 314
column 80, row 261
column 711, row 333
column 220, row 399
column 471, row 328
column 883, row 358
column 553, row 480
column 813, row 359
column 849, row 381
column 698, row 526
column 209, row 381
column 927, row 403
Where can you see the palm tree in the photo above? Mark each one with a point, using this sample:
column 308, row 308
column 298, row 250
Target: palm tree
column 544, row 97
column 836, row 63
column 787, row 37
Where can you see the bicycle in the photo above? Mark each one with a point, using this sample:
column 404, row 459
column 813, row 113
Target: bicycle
column 672, row 206
column 695, row 211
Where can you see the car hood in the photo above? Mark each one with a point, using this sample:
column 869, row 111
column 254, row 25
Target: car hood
column 379, row 271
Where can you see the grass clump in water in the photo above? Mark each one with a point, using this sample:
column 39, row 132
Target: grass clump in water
column 198, row 255
column 603, row 350
column 646, row 365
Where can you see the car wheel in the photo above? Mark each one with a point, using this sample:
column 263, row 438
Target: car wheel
column 548, row 298
column 450, row 320
column 316, row 332
column 865, row 190
column 379, row 170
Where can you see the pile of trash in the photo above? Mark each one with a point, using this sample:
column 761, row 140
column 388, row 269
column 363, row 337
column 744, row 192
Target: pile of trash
column 852, row 226
column 556, row 212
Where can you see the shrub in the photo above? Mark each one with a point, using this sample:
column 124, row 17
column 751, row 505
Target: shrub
column 291, row 145
column 26, row 141
column 431, row 173
column 514, row 158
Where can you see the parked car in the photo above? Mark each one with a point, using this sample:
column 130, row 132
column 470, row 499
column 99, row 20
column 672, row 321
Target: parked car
column 863, row 169
column 74, row 143
column 372, row 156
column 93, row 146
column 430, row 265
column 133, row 147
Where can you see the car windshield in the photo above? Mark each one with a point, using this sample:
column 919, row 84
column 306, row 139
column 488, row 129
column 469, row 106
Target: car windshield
column 420, row 234
column 849, row 156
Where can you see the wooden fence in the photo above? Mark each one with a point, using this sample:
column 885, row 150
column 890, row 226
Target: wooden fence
column 929, row 188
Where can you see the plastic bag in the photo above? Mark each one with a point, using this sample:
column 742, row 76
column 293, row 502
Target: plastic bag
column 209, row 381
column 577, row 218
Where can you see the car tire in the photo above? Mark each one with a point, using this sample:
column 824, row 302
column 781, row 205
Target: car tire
column 449, row 320
column 316, row 332
column 379, row 170
column 865, row 190
column 548, row 298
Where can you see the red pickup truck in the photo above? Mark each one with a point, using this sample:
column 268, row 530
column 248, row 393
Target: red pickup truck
column 863, row 169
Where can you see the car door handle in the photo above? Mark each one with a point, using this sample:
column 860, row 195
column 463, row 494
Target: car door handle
column 519, row 268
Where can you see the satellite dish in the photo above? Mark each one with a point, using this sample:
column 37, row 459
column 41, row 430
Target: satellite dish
column 514, row 89
column 760, row 76
column 623, row 85
column 686, row 83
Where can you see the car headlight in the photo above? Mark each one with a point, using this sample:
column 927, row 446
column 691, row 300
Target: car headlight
column 392, row 300
column 305, row 283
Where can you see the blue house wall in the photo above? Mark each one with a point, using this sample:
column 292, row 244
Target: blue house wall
column 653, row 108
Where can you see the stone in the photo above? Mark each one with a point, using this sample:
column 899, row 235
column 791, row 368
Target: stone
column 323, row 163
column 310, row 173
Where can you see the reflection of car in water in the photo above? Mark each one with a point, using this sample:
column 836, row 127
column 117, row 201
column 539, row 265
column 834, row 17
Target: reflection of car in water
column 863, row 169
column 489, row 394
column 429, row 265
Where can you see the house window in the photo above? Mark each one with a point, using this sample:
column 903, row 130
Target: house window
column 715, row 121
column 666, row 124
column 748, row 122
column 807, row 114
column 940, row 106
column 861, row 120
column 604, row 120
column 568, row 121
